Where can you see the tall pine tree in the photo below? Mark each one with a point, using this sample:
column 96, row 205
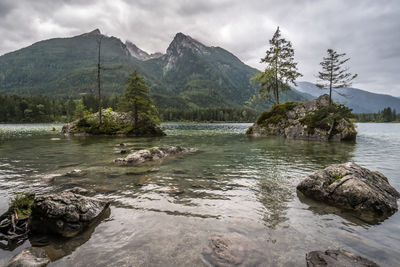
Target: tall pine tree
column 136, row 99
column 334, row 74
column 281, row 70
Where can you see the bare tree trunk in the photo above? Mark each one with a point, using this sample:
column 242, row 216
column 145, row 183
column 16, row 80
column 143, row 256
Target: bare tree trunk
column 135, row 114
column 99, row 78
column 330, row 85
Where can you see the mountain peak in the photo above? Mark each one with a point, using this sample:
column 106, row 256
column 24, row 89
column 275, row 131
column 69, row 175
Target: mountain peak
column 95, row 32
column 185, row 41
column 139, row 53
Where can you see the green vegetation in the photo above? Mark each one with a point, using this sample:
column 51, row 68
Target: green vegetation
column 275, row 114
column 136, row 99
column 21, row 204
column 385, row 115
column 334, row 177
column 281, row 69
column 209, row 115
column 334, row 75
column 326, row 116
column 112, row 123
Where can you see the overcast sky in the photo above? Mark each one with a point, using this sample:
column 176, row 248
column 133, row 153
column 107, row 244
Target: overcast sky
column 367, row 30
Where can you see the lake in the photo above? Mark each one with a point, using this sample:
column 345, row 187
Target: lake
column 239, row 188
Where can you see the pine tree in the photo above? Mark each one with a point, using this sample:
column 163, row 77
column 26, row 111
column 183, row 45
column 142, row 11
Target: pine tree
column 334, row 74
column 281, row 70
column 136, row 99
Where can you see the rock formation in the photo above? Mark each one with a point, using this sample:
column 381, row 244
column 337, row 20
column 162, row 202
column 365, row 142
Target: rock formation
column 65, row 214
column 337, row 258
column 352, row 187
column 154, row 153
column 311, row 120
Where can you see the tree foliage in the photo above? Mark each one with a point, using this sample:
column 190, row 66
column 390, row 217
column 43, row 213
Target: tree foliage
column 136, row 99
column 334, row 74
column 386, row 115
column 281, row 70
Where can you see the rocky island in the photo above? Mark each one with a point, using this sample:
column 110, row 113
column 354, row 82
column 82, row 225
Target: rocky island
column 113, row 123
column 312, row 120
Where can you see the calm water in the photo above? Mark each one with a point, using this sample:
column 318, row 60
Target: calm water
column 163, row 214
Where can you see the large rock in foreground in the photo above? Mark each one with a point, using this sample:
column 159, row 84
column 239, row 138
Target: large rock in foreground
column 65, row 214
column 113, row 123
column 337, row 258
column 311, row 120
column 154, row 153
column 352, row 187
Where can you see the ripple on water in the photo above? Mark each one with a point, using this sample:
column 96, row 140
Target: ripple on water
column 166, row 213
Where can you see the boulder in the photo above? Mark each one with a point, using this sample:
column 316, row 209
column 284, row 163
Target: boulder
column 152, row 154
column 352, row 187
column 311, row 120
column 65, row 214
column 29, row 257
column 337, row 258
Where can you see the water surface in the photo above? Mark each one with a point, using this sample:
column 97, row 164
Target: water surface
column 244, row 189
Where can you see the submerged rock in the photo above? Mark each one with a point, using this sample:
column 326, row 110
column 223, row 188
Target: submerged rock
column 232, row 249
column 154, row 153
column 75, row 173
column 352, row 187
column 65, row 214
column 311, row 120
column 337, row 258
column 29, row 257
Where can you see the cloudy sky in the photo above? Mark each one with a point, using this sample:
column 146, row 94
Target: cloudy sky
column 367, row 30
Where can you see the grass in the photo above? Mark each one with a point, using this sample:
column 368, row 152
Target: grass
column 276, row 113
column 334, row 177
column 323, row 117
column 21, row 203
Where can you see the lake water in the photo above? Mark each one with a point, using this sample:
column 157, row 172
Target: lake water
column 243, row 189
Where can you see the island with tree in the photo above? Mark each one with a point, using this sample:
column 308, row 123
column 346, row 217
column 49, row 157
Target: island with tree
column 317, row 119
column 136, row 114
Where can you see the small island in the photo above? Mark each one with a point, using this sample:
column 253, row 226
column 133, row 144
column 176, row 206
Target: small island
column 136, row 116
column 317, row 119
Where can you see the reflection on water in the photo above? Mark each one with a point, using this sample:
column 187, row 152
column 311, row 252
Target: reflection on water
column 164, row 213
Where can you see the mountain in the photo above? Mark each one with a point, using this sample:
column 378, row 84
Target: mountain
column 189, row 74
column 139, row 53
column 359, row 100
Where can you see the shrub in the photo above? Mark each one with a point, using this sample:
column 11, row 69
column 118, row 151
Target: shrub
column 21, row 203
column 276, row 113
column 323, row 117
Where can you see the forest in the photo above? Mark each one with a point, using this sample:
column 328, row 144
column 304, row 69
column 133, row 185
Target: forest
column 39, row 108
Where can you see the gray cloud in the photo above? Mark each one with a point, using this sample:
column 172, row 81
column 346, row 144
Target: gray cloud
column 367, row 30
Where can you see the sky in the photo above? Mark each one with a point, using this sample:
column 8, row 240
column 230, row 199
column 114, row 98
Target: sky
column 368, row 31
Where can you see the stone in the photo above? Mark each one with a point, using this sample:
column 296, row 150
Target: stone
column 233, row 249
column 291, row 120
column 66, row 214
column 352, row 187
column 337, row 258
column 155, row 153
column 75, row 173
column 81, row 191
column 29, row 257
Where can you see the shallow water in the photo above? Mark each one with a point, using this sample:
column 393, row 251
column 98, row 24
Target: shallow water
column 244, row 189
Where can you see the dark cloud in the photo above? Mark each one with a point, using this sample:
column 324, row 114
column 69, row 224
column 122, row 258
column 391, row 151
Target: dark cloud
column 367, row 30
